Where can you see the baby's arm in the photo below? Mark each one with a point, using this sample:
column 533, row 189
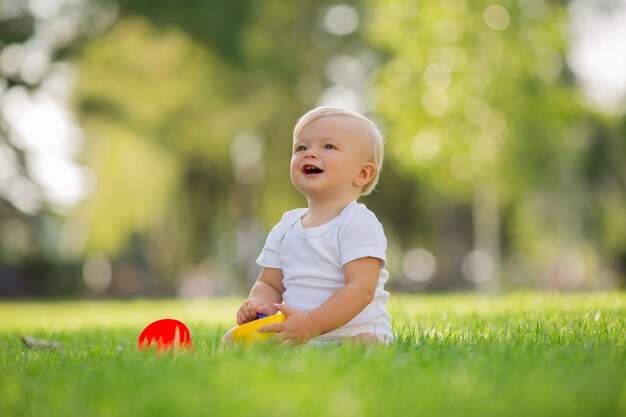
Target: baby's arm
column 361, row 276
column 266, row 291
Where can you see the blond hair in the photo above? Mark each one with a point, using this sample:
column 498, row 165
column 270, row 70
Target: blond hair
column 376, row 137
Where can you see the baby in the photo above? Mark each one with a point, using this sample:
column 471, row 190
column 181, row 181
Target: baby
column 327, row 262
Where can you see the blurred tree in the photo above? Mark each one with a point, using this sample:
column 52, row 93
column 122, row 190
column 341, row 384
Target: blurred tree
column 16, row 27
column 187, row 113
column 604, row 192
column 189, row 129
column 35, row 40
column 481, row 108
column 218, row 25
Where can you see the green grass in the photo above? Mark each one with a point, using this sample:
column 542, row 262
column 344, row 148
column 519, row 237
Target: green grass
column 455, row 355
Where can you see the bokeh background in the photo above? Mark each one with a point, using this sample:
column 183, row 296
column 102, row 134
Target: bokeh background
column 145, row 145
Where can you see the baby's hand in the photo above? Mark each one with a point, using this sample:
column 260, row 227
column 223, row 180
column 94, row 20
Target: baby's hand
column 251, row 308
column 297, row 328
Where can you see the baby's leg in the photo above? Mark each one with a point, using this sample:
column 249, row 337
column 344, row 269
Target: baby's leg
column 368, row 339
column 227, row 339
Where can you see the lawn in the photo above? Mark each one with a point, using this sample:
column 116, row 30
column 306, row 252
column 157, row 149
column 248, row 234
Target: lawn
column 455, row 355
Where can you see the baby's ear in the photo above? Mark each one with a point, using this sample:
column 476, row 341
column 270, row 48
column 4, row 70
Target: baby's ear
column 366, row 174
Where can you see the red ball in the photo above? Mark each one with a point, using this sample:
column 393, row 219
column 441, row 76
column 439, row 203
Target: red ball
column 165, row 334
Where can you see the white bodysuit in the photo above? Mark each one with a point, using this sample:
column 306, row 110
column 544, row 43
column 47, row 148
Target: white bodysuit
column 312, row 263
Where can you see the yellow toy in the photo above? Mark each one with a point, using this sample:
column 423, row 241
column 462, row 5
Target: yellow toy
column 249, row 332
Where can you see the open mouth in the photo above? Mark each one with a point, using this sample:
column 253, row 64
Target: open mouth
column 311, row 169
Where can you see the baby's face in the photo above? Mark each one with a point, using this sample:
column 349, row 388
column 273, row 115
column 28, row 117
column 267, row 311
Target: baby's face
column 329, row 154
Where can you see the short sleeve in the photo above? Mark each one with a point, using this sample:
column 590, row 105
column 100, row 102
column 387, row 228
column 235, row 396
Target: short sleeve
column 362, row 236
column 270, row 254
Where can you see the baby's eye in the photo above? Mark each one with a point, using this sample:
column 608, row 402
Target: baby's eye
column 299, row 148
column 329, row 146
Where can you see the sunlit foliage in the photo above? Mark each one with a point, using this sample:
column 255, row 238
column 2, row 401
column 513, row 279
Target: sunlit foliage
column 480, row 106
column 497, row 174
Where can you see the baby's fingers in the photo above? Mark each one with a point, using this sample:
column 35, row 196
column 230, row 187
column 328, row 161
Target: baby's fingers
column 274, row 327
column 243, row 317
column 250, row 311
column 246, row 313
